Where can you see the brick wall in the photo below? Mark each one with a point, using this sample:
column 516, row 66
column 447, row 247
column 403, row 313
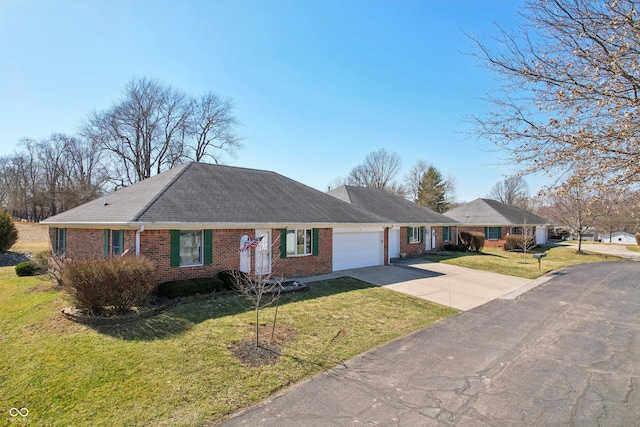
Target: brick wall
column 155, row 244
column 412, row 248
column 489, row 243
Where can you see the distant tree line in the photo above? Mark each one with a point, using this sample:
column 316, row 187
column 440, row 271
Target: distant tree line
column 424, row 184
column 152, row 128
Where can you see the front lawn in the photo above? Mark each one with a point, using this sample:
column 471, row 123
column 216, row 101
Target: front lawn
column 516, row 264
column 176, row 369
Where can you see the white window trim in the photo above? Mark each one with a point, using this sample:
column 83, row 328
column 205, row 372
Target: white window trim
column 201, row 261
column 415, row 235
column 295, row 233
column 489, row 233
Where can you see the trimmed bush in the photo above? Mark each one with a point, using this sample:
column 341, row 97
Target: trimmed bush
column 455, row 248
column 27, row 268
column 514, row 242
column 206, row 285
column 99, row 285
column 8, row 231
column 473, row 240
column 638, row 239
column 230, row 278
column 187, row 288
column 177, row 289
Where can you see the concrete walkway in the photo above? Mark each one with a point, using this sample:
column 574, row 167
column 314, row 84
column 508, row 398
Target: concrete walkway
column 563, row 354
column 449, row 285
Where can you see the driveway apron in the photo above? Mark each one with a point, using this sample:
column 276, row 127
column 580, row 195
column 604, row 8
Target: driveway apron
column 564, row 353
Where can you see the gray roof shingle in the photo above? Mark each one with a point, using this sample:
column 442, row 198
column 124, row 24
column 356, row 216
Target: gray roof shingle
column 489, row 212
column 391, row 206
column 202, row 193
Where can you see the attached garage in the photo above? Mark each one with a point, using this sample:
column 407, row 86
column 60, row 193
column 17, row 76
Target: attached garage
column 357, row 247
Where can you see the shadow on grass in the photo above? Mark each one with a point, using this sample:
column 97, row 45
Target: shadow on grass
column 179, row 319
column 443, row 256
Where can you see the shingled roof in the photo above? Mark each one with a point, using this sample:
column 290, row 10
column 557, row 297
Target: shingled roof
column 200, row 193
column 391, row 206
column 487, row 212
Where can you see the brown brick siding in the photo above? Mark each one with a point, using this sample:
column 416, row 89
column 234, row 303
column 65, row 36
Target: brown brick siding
column 504, row 231
column 155, row 244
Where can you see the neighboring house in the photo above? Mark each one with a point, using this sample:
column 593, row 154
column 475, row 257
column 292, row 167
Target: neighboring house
column 620, row 237
column 415, row 229
column 194, row 219
column 497, row 220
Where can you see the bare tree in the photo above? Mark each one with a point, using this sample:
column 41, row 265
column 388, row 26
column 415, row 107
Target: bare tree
column 571, row 90
column 512, row 191
column 259, row 286
column 213, row 128
column 154, row 127
column 414, row 179
column 574, row 207
column 377, row 171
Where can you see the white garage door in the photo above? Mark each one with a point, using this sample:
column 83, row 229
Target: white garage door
column 541, row 235
column 357, row 249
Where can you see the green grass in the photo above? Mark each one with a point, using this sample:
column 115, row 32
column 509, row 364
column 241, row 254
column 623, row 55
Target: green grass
column 516, row 264
column 175, row 369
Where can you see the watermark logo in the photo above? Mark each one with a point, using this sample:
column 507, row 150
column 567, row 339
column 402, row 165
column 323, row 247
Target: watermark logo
column 18, row 415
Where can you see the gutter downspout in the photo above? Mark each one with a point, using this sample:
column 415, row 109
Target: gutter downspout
column 138, row 232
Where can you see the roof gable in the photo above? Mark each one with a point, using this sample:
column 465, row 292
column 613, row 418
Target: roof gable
column 389, row 205
column 214, row 194
column 493, row 212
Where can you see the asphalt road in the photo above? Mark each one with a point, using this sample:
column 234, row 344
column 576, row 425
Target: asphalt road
column 566, row 353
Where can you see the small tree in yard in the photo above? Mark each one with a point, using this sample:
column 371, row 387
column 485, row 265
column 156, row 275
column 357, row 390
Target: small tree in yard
column 261, row 290
column 8, row 231
column 528, row 241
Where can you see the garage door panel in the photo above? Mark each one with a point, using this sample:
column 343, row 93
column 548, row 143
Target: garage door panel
column 355, row 250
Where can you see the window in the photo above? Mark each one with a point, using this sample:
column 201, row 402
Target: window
column 59, row 242
column 515, row 230
column 113, row 242
column 299, row 242
column 190, row 247
column 446, row 234
column 493, row 233
column 415, row 234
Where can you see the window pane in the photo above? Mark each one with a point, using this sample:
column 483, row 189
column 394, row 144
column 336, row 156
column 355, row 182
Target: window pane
column 493, row 233
column 115, row 242
column 190, row 247
column 291, row 242
column 300, row 242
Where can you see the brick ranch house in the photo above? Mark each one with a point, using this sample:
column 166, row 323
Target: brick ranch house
column 193, row 220
column 496, row 220
column 415, row 228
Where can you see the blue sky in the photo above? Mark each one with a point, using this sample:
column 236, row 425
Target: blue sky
column 317, row 85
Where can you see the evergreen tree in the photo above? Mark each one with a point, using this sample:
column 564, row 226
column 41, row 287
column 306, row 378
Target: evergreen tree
column 432, row 191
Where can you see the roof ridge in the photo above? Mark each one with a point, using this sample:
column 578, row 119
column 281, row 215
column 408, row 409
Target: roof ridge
column 146, row 207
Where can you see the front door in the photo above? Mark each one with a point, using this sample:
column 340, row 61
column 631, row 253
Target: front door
column 263, row 252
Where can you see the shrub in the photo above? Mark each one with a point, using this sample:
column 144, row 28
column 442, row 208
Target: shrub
column 455, row 248
column 206, row 285
column 638, row 239
column 473, row 240
column 517, row 241
column 98, row 284
column 230, row 278
column 177, row 289
column 27, row 268
column 186, row 288
column 8, row 231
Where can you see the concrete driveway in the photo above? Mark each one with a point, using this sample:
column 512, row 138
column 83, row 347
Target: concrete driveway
column 457, row 287
column 563, row 354
column 611, row 249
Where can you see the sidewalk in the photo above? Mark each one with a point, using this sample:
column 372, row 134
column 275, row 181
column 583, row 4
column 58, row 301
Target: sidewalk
column 452, row 286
